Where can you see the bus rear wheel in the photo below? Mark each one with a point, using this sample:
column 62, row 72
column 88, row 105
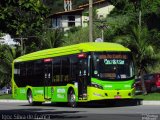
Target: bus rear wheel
column 72, row 99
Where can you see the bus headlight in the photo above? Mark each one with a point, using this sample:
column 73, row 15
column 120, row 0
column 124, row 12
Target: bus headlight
column 96, row 85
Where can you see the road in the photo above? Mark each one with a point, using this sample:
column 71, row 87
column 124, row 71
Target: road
column 83, row 112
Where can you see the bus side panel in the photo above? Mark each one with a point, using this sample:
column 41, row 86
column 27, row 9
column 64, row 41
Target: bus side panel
column 60, row 93
column 37, row 93
column 19, row 93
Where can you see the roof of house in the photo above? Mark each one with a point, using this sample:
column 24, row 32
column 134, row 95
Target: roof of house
column 79, row 9
column 67, row 12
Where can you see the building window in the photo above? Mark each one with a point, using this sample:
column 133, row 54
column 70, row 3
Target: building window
column 71, row 21
column 56, row 22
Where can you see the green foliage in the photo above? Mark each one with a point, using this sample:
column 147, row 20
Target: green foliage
column 79, row 36
column 150, row 96
column 6, row 96
column 131, row 8
column 49, row 38
column 116, row 25
column 21, row 17
column 7, row 55
column 52, row 38
column 140, row 42
column 139, row 31
column 74, row 29
column 1, row 34
column 123, row 28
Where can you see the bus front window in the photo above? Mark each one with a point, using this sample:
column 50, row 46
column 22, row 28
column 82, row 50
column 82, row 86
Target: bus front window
column 113, row 65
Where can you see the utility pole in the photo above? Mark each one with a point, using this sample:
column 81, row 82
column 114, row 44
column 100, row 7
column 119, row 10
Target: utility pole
column 21, row 44
column 22, row 52
column 140, row 18
column 90, row 21
column 102, row 35
column 102, row 26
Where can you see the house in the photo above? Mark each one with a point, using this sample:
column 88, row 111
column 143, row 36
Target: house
column 79, row 16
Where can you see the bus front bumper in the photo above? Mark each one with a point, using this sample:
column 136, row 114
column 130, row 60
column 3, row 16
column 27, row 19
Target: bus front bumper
column 99, row 94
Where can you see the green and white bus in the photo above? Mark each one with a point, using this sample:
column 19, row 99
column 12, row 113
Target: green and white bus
column 77, row 73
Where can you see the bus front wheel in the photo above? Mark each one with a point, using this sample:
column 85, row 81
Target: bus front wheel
column 72, row 98
column 30, row 99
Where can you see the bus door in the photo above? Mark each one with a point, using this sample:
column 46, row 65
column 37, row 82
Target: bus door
column 47, row 78
column 82, row 78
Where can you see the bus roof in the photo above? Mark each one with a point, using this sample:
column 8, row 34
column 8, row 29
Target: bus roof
column 72, row 49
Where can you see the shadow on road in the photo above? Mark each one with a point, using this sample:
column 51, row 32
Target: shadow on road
column 127, row 102
column 112, row 103
column 100, row 104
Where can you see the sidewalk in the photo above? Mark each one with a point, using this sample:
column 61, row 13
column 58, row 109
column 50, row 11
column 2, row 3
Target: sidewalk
column 12, row 101
column 145, row 102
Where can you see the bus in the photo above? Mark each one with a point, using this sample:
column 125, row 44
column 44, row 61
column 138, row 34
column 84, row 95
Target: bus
column 77, row 73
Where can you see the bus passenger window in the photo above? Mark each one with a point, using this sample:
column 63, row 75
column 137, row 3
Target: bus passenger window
column 74, row 67
column 65, row 69
column 56, row 70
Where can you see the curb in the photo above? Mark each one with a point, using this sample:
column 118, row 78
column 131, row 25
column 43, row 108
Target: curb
column 16, row 101
column 13, row 101
column 150, row 102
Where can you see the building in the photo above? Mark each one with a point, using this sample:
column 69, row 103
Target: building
column 79, row 16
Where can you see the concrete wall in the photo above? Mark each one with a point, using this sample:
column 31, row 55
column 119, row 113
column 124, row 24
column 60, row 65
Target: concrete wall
column 104, row 11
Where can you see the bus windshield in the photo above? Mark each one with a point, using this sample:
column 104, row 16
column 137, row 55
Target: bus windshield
column 113, row 66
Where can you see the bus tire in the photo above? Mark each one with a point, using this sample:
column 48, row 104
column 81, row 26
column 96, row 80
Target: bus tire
column 72, row 98
column 30, row 99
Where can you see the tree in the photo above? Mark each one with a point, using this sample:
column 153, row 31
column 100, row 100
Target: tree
column 7, row 55
column 51, row 38
column 140, row 42
column 79, row 36
column 131, row 23
column 22, row 17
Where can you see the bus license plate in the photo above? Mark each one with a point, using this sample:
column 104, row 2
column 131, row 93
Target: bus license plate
column 117, row 97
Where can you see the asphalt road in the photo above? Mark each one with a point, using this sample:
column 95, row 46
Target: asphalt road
column 92, row 111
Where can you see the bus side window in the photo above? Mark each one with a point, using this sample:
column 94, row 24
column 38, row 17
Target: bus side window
column 56, row 70
column 38, row 72
column 22, row 70
column 29, row 73
column 73, row 67
column 17, row 73
column 65, row 69
column 23, row 74
column 83, row 67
